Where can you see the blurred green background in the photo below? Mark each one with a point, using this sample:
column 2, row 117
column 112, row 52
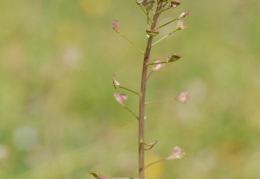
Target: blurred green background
column 58, row 116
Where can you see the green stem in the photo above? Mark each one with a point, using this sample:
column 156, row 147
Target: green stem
column 167, row 23
column 154, row 163
column 159, row 101
column 130, row 90
column 148, row 17
column 157, row 63
column 163, row 38
column 131, row 112
column 149, row 75
column 165, row 9
column 132, row 43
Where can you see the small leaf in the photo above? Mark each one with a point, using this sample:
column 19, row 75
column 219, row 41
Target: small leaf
column 116, row 83
column 174, row 4
column 115, row 26
column 173, row 58
column 177, row 153
column 183, row 97
column 151, row 145
column 157, row 66
column 97, row 175
column 184, row 14
column 121, row 98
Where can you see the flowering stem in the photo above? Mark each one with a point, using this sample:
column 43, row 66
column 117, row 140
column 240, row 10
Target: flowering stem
column 155, row 163
column 132, row 43
column 131, row 112
column 143, row 90
column 167, row 23
column 160, row 101
column 130, row 90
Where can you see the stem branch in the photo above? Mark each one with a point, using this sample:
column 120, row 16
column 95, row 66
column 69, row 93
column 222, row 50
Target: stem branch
column 167, row 23
column 163, row 37
column 132, row 43
column 130, row 90
column 155, row 163
column 131, row 112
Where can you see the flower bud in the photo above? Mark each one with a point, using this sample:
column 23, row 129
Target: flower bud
column 181, row 25
column 157, row 66
column 116, row 83
column 115, row 26
column 173, row 58
column 184, row 14
column 174, row 4
column 183, row 97
column 121, row 98
column 177, row 153
column 151, row 145
column 139, row 2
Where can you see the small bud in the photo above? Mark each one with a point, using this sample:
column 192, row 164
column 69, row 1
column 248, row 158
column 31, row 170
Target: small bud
column 148, row 4
column 184, row 14
column 115, row 26
column 121, row 98
column 174, row 4
column 139, row 2
column 181, row 25
column 152, row 33
column 157, row 66
column 183, row 97
column 177, row 153
column 116, row 83
column 151, row 145
column 173, row 58
column 97, row 175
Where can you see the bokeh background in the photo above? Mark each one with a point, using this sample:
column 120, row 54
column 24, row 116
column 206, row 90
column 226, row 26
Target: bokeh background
column 58, row 116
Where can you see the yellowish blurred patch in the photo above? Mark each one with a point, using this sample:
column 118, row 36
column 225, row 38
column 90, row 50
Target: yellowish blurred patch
column 94, row 7
column 154, row 171
column 70, row 32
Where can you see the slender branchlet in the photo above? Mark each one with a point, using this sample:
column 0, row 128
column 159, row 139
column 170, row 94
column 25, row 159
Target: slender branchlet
column 156, row 8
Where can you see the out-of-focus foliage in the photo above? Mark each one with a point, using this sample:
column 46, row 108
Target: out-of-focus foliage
column 58, row 115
